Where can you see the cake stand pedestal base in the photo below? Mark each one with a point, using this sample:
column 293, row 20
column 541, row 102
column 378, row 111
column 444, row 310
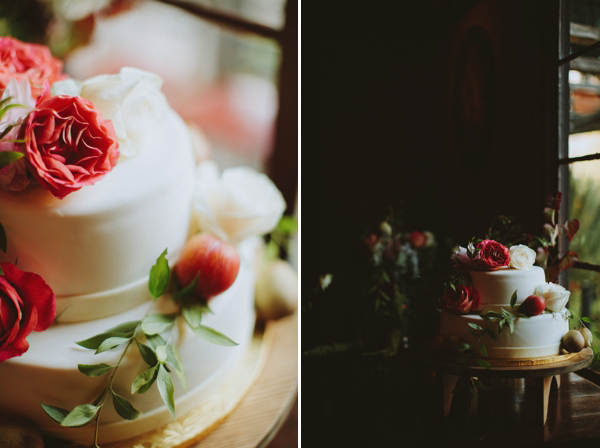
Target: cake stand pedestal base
column 543, row 370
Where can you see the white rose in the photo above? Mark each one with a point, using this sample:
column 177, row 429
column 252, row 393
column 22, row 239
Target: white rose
column 555, row 295
column 521, row 257
column 236, row 205
column 132, row 100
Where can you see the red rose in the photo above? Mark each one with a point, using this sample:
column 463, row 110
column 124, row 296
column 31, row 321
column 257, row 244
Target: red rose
column 418, row 239
column 26, row 303
column 462, row 300
column 492, row 255
column 68, row 144
column 34, row 62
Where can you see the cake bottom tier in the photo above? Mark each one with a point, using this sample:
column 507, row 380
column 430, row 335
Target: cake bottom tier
column 47, row 373
column 532, row 337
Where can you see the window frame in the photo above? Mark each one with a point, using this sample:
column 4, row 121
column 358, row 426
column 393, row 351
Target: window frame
column 282, row 166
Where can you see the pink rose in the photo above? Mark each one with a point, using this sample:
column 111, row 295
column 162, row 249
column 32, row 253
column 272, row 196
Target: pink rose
column 68, row 144
column 461, row 260
column 33, row 62
column 492, row 255
column 462, row 300
column 26, row 303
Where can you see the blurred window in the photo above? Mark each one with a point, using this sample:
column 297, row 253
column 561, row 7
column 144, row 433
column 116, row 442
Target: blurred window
column 579, row 150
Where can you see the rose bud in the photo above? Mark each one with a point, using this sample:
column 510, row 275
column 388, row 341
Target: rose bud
column 215, row 262
column 573, row 341
column 532, row 306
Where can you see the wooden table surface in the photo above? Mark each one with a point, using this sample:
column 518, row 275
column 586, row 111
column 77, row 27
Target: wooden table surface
column 257, row 418
column 504, row 416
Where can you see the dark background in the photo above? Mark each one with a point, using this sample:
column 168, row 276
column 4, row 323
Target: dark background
column 446, row 110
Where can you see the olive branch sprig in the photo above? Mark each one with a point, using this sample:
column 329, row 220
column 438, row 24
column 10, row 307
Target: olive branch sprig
column 160, row 354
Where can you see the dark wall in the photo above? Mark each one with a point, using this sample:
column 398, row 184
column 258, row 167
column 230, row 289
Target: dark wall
column 446, row 110
column 398, row 108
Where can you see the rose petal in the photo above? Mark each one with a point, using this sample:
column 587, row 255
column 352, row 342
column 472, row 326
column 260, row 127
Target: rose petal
column 34, row 292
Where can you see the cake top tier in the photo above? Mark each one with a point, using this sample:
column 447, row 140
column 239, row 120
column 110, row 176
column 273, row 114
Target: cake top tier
column 496, row 288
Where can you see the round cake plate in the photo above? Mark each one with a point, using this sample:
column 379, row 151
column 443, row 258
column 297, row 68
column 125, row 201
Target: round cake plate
column 542, row 369
column 187, row 430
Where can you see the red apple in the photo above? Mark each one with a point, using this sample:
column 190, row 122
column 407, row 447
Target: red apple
column 215, row 262
column 532, row 305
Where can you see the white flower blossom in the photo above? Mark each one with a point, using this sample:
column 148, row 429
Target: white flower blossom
column 521, row 257
column 238, row 204
column 555, row 295
column 132, row 100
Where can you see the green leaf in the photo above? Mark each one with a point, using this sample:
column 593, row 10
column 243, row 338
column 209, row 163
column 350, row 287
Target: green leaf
column 81, row 415
column 589, row 320
column 125, row 330
column 210, row 335
column 154, row 340
column 480, row 385
column 159, row 276
column 463, row 346
column 161, row 354
column 165, row 387
column 193, row 313
column 5, row 100
column 112, row 342
column 147, row 353
column 501, row 324
column 287, row 225
column 157, row 323
column 483, row 349
column 475, row 326
column 124, row 407
column 144, row 380
column 57, row 414
column 94, row 370
column 3, row 241
column 188, row 290
column 513, row 299
column 6, row 130
column 483, row 363
column 8, row 157
column 511, row 325
column 174, row 358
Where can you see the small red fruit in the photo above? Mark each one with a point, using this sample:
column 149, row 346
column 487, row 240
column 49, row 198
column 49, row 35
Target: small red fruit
column 215, row 262
column 533, row 305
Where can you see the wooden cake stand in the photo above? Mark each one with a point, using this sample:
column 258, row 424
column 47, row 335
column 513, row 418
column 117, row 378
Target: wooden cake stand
column 543, row 370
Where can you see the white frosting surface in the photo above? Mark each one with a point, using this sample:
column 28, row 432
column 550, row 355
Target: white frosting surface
column 534, row 336
column 47, row 373
column 102, row 239
column 496, row 288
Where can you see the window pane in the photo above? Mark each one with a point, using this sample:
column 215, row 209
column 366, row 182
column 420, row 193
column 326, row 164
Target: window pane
column 265, row 12
column 585, row 289
column 224, row 84
column 584, row 79
column 585, row 206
